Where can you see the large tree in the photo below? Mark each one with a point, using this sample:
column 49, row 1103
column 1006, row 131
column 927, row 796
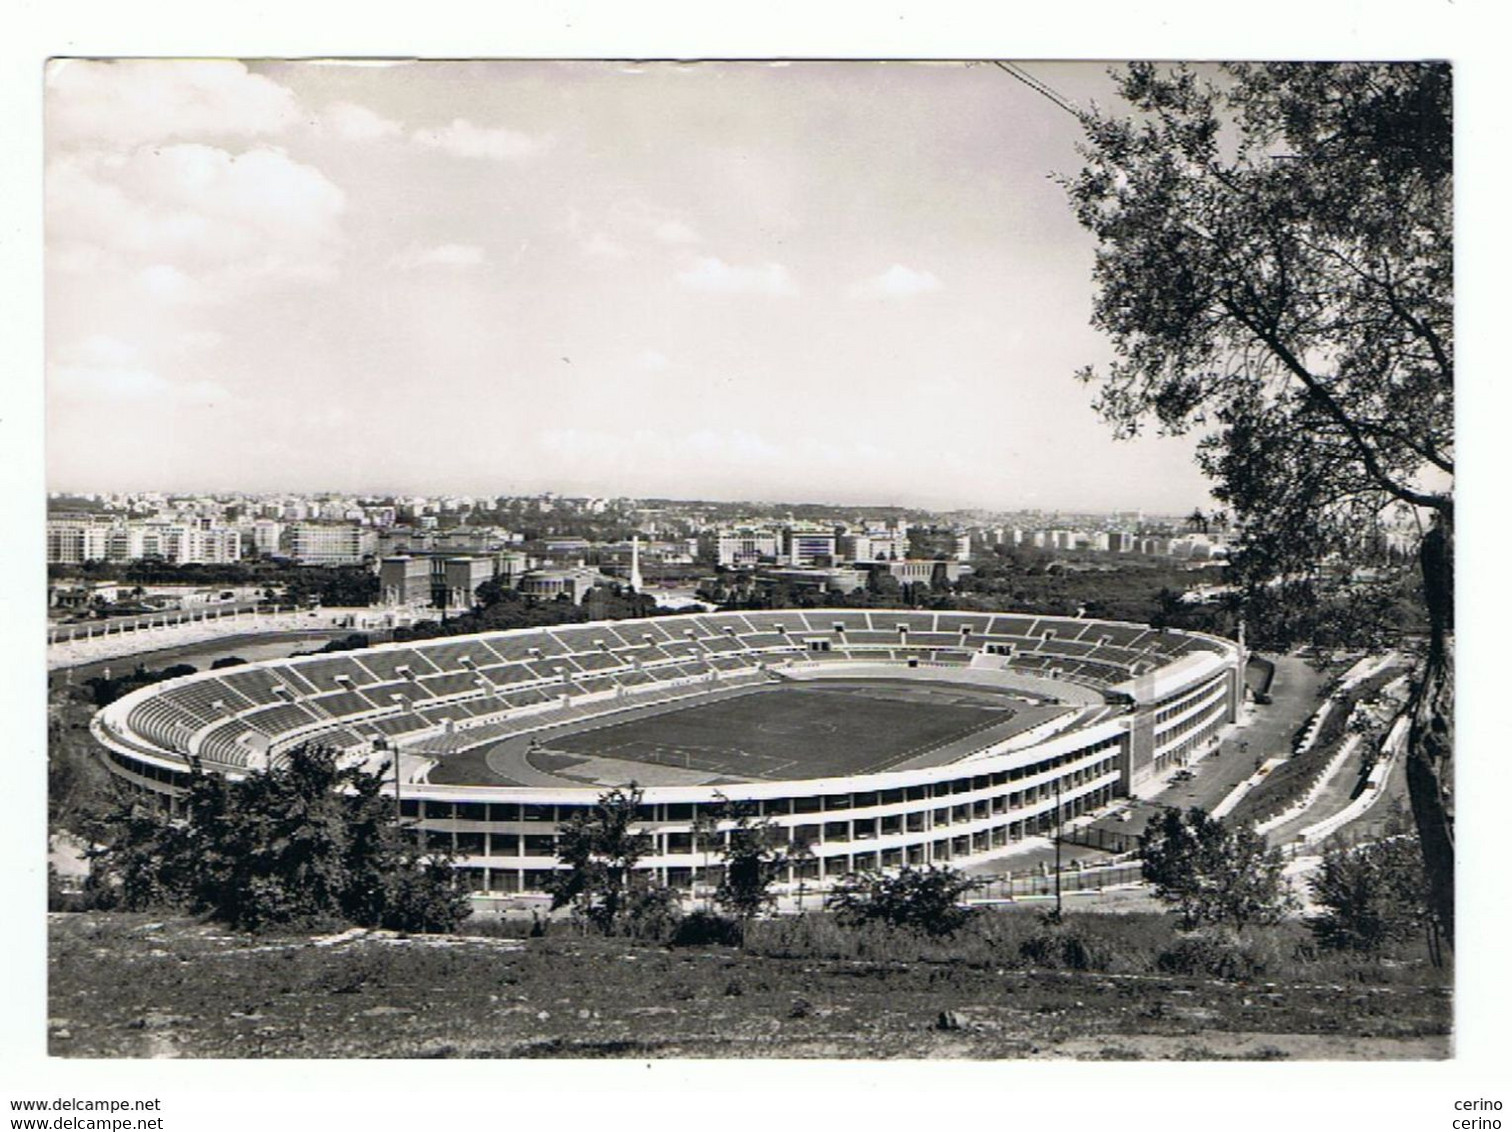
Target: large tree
column 1274, row 268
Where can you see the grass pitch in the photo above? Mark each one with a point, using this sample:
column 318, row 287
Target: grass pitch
column 801, row 731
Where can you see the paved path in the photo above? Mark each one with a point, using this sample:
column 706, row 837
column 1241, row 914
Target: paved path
column 1262, row 732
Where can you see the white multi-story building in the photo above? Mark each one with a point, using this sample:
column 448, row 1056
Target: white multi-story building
column 744, row 546
column 331, row 544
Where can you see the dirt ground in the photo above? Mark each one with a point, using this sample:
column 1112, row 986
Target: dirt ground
column 132, row 986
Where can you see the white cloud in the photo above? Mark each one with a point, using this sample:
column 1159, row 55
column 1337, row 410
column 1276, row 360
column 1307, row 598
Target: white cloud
column 351, row 122
column 130, row 102
column 676, row 232
column 101, row 368
column 463, row 139
column 897, row 282
column 189, row 220
column 600, row 246
column 714, row 275
column 457, row 256
column 166, row 282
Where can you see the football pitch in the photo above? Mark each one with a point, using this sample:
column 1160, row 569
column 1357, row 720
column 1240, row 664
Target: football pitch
column 814, row 730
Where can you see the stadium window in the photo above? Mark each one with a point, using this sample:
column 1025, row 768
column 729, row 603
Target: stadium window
column 942, row 816
column 891, row 797
column 865, row 862
column 960, row 786
column 807, row 804
column 535, row 812
column 960, row 846
column 438, row 811
column 679, row 811
column 837, row 802
column 864, row 828
column 680, row 877
column 645, row 812
column 679, row 843
column 941, row 849
column 960, row 813
column 918, row 793
column 892, row 823
column 837, row 831
column 981, row 782
column 469, row 844
column 916, row 854
column 915, row 822
column 862, row 800
column 472, row 811
column 504, row 845
column 503, row 811
column 806, row 833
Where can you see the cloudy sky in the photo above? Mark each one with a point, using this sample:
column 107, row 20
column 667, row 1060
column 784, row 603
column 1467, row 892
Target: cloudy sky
column 848, row 282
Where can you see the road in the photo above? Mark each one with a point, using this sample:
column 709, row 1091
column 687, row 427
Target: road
column 1264, row 731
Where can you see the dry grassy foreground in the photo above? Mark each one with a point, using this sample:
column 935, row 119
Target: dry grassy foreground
column 134, row 986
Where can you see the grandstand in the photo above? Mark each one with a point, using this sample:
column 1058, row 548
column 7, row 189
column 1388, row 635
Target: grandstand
column 1131, row 701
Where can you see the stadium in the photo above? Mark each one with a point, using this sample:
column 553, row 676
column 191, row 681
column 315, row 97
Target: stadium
column 878, row 738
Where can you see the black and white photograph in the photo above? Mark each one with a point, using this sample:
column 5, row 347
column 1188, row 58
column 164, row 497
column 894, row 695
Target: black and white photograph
column 749, row 559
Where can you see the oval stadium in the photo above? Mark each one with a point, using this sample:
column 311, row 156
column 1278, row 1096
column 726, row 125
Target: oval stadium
column 880, row 738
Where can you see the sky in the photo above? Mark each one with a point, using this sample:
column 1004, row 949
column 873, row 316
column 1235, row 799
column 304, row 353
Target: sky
column 846, row 282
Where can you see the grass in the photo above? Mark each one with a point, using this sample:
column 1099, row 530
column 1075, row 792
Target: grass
column 125, row 985
column 795, row 732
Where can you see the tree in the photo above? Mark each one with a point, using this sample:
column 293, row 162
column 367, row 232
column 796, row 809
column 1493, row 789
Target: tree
column 926, row 900
column 303, row 844
column 1372, row 895
column 1275, row 267
column 600, row 847
column 754, row 852
column 1212, row 873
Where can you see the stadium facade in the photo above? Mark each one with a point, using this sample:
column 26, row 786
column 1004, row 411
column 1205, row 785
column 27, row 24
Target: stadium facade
column 1130, row 702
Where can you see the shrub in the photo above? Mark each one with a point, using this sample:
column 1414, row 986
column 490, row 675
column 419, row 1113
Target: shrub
column 702, row 929
column 1219, row 953
column 926, row 900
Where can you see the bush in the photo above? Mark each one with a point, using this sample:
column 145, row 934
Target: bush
column 1221, row 954
column 305, row 844
column 925, row 900
column 702, row 929
column 1068, row 946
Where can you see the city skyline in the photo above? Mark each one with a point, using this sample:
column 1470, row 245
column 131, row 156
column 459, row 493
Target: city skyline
column 846, row 281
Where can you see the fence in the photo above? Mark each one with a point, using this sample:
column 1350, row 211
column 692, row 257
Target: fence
column 1017, row 887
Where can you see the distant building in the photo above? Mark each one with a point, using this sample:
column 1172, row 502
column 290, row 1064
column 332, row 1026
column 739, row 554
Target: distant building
column 744, row 546
column 331, row 544
column 462, row 577
column 405, row 580
column 926, row 570
column 72, row 542
column 575, row 582
column 809, row 545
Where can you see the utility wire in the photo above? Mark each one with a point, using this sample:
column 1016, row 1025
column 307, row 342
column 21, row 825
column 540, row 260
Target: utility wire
column 1039, row 87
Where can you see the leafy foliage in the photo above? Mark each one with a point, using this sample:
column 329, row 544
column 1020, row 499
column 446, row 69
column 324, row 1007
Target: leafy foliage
column 754, row 852
column 306, row 843
column 600, row 847
column 1275, row 268
column 924, row 900
column 1371, row 894
column 1212, row 873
